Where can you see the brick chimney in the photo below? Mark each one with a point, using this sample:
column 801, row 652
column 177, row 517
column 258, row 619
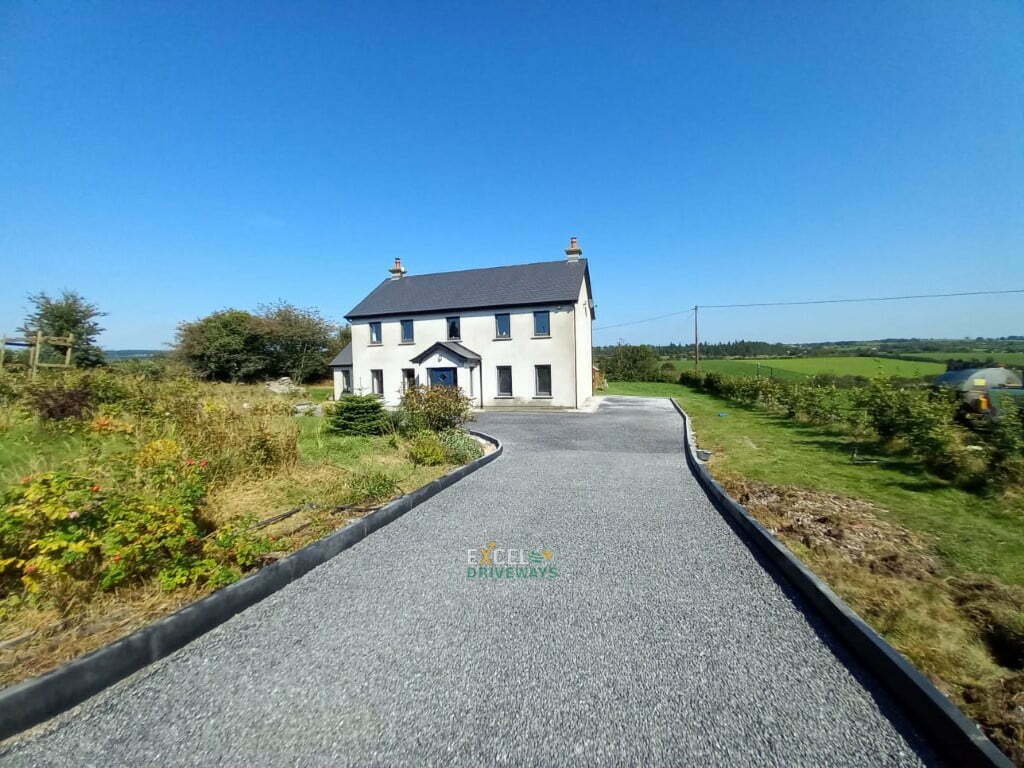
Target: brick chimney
column 397, row 271
column 573, row 252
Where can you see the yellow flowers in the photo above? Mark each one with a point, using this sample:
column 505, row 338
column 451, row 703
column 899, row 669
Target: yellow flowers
column 159, row 452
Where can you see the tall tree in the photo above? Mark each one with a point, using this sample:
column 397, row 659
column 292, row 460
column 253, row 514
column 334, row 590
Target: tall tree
column 70, row 314
column 300, row 340
column 229, row 345
column 280, row 340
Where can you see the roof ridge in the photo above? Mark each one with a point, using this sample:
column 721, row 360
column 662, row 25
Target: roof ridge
column 482, row 269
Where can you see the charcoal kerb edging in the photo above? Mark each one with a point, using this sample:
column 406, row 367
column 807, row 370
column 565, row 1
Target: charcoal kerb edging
column 38, row 699
column 954, row 735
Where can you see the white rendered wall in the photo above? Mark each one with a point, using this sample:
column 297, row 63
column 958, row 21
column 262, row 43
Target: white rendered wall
column 562, row 351
column 584, row 347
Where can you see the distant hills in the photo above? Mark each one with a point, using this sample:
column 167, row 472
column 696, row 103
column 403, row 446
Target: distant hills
column 133, row 354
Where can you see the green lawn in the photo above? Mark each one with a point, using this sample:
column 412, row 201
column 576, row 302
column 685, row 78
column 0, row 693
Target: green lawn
column 985, row 535
column 319, row 394
column 799, row 367
column 742, row 368
column 1015, row 359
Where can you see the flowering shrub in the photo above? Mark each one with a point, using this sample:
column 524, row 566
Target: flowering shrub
column 60, row 528
column 434, row 408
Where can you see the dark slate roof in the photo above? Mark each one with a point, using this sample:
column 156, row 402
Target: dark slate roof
column 452, row 346
column 546, row 282
column 344, row 357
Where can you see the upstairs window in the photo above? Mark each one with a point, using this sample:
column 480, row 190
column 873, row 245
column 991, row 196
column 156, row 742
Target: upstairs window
column 454, row 329
column 502, row 327
column 375, row 333
column 542, row 323
column 407, row 333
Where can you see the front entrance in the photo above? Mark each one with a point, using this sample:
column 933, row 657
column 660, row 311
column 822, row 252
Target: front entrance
column 442, row 377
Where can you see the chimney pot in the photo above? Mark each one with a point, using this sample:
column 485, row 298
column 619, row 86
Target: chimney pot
column 573, row 252
column 398, row 270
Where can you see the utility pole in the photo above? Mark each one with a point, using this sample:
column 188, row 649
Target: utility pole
column 696, row 341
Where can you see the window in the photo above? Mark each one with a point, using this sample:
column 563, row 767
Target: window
column 454, row 329
column 346, row 381
column 502, row 327
column 408, row 378
column 375, row 333
column 407, row 335
column 543, row 380
column 377, row 381
column 542, row 323
column 504, row 381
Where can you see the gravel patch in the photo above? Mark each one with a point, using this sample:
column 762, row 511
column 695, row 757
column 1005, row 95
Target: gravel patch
column 662, row 640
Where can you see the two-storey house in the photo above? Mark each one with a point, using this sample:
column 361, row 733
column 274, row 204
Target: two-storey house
column 508, row 336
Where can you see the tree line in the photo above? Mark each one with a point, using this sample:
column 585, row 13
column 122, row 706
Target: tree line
column 227, row 345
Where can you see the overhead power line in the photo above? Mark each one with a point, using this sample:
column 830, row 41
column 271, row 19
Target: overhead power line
column 645, row 320
column 814, row 301
column 869, row 298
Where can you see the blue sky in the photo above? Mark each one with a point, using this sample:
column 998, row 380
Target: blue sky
column 167, row 160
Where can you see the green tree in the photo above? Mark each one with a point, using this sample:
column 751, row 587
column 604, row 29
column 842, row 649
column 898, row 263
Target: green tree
column 300, row 341
column 72, row 315
column 229, row 345
column 279, row 340
column 630, row 363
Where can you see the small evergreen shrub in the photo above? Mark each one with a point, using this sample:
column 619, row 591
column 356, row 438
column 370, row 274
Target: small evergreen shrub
column 358, row 415
column 426, row 448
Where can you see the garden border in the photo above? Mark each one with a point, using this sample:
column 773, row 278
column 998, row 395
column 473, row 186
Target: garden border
column 955, row 735
column 36, row 700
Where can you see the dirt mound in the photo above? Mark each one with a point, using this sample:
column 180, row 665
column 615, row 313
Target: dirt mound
column 849, row 527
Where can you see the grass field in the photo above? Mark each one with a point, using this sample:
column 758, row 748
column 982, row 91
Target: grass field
column 1014, row 359
column 801, row 367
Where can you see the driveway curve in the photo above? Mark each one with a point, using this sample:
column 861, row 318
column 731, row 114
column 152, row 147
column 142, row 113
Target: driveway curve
column 660, row 641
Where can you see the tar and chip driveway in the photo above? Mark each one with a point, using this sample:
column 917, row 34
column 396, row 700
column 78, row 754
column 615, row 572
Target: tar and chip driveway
column 660, row 642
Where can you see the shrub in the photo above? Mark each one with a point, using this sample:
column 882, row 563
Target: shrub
column 358, row 415
column 61, row 528
column 434, row 408
column 426, row 448
column 1006, row 442
column 459, row 446
column 11, row 388
column 372, row 487
column 58, row 401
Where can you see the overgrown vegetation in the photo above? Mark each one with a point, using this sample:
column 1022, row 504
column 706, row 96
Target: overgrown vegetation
column 937, row 569
column 125, row 492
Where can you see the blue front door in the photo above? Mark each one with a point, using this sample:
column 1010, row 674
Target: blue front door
column 442, row 377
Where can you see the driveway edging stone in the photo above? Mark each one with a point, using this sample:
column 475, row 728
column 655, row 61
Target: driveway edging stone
column 958, row 737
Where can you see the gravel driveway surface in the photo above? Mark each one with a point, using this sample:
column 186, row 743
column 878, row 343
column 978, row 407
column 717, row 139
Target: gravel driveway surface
column 661, row 640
